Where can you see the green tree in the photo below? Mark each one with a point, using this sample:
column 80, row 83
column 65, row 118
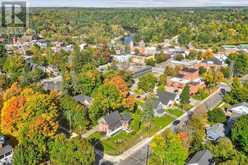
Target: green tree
column 216, row 116
column 148, row 107
column 185, row 95
column 240, row 63
column 28, row 154
column 196, row 129
column 223, row 150
column 147, row 82
column 239, row 133
column 74, row 114
column 239, row 93
column 105, row 99
column 74, row 151
column 168, row 149
column 89, row 79
column 14, row 66
column 202, row 70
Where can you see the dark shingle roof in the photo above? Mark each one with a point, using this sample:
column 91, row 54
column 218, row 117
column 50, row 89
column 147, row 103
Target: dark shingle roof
column 113, row 120
column 165, row 97
column 126, row 117
column 203, row 157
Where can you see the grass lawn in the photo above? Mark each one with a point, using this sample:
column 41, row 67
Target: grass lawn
column 96, row 135
column 175, row 111
column 122, row 141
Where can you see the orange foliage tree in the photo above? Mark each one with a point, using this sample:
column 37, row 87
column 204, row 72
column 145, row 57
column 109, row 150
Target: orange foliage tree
column 29, row 113
column 14, row 90
column 45, row 125
column 10, row 115
column 119, row 83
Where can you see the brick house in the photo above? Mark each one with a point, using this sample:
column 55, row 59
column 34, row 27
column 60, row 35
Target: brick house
column 187, row 76
column 114, row 122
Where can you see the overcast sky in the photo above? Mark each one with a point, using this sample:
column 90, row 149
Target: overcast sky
column 136, row 3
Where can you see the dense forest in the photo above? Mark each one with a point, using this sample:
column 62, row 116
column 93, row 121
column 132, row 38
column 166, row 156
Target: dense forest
column 200, row 27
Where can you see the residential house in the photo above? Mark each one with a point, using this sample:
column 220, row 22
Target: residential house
column 139, row 59
column 52, row 84
column 185, row 63
column 187, row 76
column 42, row 43
column 216, row 61
column 150, row 51
column 230, row 48
column 236, row 112
column 6, row 152
column 114, row 122
column 203, row 157
column 84, row 100
column 122, row 58
column 216, row 132
column 241, row 109
column 165, row 100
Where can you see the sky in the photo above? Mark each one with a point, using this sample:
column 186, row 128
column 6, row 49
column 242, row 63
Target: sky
column 136, row 3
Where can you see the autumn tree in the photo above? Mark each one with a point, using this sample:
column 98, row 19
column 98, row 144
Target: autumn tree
column 168, row 149
column 207, row 54
column 213, row 76
column 11, row 116
column 119, row 83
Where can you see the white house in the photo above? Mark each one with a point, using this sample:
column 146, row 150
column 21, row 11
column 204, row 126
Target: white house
column 122, row 58
column 241, row 109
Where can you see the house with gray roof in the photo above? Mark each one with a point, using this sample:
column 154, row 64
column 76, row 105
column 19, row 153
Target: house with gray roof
column 236, row 111
column 84, row 100
column 52, row 84
column 114, row 122
column 203, row 157
column 216, row 132
column 241, row 109
column 163, row 100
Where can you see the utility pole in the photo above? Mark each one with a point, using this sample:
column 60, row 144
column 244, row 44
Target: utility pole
column 147, row 154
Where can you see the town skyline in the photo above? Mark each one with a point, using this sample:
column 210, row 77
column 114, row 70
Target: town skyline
column 136, row 3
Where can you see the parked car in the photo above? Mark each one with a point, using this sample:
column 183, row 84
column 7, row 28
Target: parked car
column 176, row 122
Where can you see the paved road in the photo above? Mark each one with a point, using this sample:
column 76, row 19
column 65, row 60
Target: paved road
column 137, row 154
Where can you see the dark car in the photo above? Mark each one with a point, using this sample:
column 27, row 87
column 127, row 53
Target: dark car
column 176, row 122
